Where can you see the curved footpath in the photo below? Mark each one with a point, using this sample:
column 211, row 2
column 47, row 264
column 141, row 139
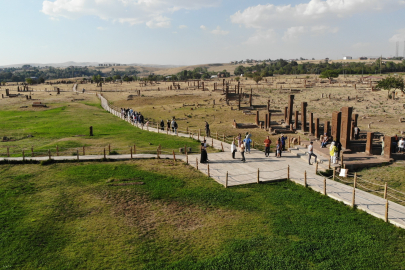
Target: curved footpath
column 258, row 168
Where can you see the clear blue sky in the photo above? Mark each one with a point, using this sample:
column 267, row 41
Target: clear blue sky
column 184, row 32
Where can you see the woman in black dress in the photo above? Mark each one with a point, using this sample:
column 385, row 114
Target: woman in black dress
column 204, row 157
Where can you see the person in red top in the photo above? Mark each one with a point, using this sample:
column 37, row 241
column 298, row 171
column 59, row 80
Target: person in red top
column 267, row 143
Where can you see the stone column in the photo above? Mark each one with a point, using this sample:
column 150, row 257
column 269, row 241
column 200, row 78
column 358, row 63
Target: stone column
column 296, row 119
column 257, row 118
column 203, row 86
column 250, row 98
column 326, row 128
column 269, row 125
column 336, row 124
column 345, row 127
column 238, row 87
column 239, row 96
column 387, row 146
column 317, row 128
column 304, row 106
column 285, row 113
column 266, row 121
column 268, row 105
column 290, row 108
column 311, row 123
column 7, row 92
column 369, row 144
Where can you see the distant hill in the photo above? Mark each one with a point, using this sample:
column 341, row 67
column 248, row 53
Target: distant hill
column 83, row 64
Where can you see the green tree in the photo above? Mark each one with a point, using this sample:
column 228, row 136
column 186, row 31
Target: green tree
column 391, row 83
column 329, row 74
column 237, row 79
column 257, row 79
column 29, row 81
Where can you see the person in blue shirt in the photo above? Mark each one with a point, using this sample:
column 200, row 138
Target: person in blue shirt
column 283, row 139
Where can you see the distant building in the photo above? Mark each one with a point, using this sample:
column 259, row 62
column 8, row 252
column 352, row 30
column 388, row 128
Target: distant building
column 347, row 58
column 363, row 58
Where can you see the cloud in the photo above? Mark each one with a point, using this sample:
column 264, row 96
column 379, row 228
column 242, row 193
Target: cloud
column 153, row 13
column 262, row 36
column 323, row 29
column 203, row 27
column 269, row 15
column 101, row 28
column 399, row 36
column 293, row 33
column 219, row 31
column 183, row 26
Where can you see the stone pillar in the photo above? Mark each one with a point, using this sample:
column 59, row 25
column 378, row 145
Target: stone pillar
column 203, row 85
column 223, row 84
column 317, row 128
column 311, row 123
column 388, row 146
column 250, row 98
column 336, row 124
column 269, row 125
column 198, row 84
column 257, row 118
column 290, row 108
column 7, row 92
column 238, row 87
column 285, row 113
column 326, row 128
column 268, row 105
column 239, row 96
column 296, row 120
column 266, row 121
column 345, row 127
column 369, row 144
column 304, row 106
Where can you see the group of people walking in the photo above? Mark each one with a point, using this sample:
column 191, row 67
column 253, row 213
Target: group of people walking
column 135, row 117
column 170, row 125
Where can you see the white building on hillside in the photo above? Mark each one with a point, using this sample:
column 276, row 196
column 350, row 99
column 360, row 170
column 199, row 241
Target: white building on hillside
column 347, row 58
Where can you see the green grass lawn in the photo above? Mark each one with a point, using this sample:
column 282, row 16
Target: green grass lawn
column 76, row 216
column 67, row 126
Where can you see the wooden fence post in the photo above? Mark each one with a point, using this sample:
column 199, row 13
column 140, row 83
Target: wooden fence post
column 334, row 173
column 209, row 170
column 222, row 146
column 258, row 176
column 198, row 136
column 109, row 149
column 299, row 140
column 196, row 162
column 324, row 186
column 157, row 153
column 57, row 151
column 386, row 211
column 104, row 153
column 305, row 179
column 8, row 151
column 23, row 155
column 186, row 158
column 289, row 142
column 131, row 152
column 134, row 149
column 341, row 160
column 253, row 144
column 77, row 153
column 316, row 168
column 354, row 190
column 288, row 172
column 84, row 152
column 174, row 156
column 385, row 191
column 226, row 180
column 329, row 164
column 212, row 142
column 49, row 153
column 32, row 151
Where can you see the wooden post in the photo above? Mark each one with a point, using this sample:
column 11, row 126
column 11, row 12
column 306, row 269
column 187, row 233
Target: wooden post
column 134, row 149
column 157, row 126
column 385, row 191
column 49, row 153
column 329, row 164
column 23, row 155
column 208, row 170
column 386, row 211
column 222, row 146
column 84, row 153
column 32, row 151
column 223, row 137
column 253, row 144
column 187, row 129
column 198, row 138
column 341, row 160
column 212, row 142
column 109, row 148
column 77, row 153
column 305, row 179
column 186, row 158
column 258, row 176
column 104, row 153
column 157, row 153
column 131, row 152
column 57, row 151
column 299, row 140
column 289, row 143
column 226, row 180
column 288, row 172
column 354, row 190
column 196, row 162
column 174, row 156
column 334, row 173
column 324, row 186
column 8, row 151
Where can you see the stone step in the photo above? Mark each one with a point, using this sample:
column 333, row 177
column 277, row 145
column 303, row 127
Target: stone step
column 302, row 152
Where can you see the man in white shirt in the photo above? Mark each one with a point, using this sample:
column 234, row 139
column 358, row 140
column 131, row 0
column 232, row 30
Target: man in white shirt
column 311, row 153
column 401, row 145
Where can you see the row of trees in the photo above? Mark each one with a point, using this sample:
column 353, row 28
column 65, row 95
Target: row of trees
column 35, row 74
column 282, row 67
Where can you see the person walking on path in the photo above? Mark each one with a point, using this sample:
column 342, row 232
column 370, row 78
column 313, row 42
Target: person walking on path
column 401, row 145
column 239, row 138
column 162, row 125
column 333, row 150
column 283, row 139
column 172, row 125
column 207, row 129
column 168, row 125
column 356, row 132
column 311, row 153
column 175, row 127
column 267, row 143
column 242, row 152
column 278, row 148
column 204, row 156
column 247, row 141
column 233, row 149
